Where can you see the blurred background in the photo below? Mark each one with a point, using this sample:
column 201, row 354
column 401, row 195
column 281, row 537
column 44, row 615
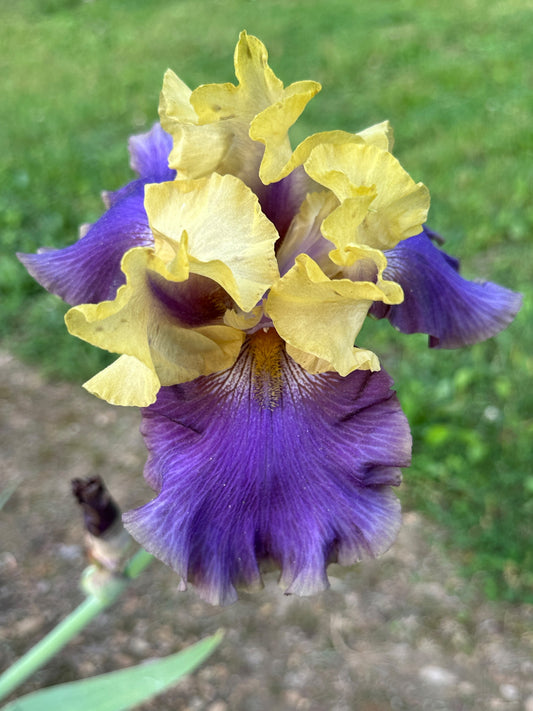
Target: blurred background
column 455, row 81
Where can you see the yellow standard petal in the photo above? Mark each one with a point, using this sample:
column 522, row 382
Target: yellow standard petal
column 158, row 350
column 271, row 127
column 273, row 168
column 228, row 238
column 321, row 317
column 355, row 171
column 211, row 125
column 197, row 150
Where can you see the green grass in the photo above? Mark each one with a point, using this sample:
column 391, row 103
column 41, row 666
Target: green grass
column 455, row 80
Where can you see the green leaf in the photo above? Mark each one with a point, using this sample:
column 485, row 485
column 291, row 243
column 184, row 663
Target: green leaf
column 122, row 689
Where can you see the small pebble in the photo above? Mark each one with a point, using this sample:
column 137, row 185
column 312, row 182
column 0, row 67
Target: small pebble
column 509, row 692
column 43, row 586
column 140, row 646
column 437, row 675
column 27, row 626
column 8, row 562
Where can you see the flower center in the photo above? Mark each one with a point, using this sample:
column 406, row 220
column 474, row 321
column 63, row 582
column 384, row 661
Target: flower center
column 195, row 302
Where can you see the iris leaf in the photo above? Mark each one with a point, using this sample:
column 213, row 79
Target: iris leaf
column 122, row 689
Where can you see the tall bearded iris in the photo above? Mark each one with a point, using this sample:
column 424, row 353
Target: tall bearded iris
column 233, row 278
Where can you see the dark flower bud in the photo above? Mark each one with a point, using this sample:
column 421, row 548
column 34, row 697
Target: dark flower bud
column 107, row 540
column 99, row 510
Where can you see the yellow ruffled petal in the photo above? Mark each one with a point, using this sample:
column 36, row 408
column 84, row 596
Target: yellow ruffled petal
column 258, row 85
column 183, row 354
column 243, row 320
column 114, row 325
column 272, row 172
column 366, row 360
column 341, row 225
column 228, row 238
column 322, row 317
column 126, row 382
column 211, row 125
column 310, row 362
column 380, row 135
column 400, row 205
column 137, row 324
column 273, row 167
column 175, row 99
column 361, row 263
column 271, row 127
column 197, row 150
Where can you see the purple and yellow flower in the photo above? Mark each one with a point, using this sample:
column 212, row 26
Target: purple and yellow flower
column 233, row 278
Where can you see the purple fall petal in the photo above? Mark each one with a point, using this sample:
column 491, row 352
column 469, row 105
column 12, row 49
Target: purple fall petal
column 89, row 270
column 453, row 311
column 267, row 462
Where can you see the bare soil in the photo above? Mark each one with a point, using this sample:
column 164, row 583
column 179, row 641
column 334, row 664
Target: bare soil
column 403, row 632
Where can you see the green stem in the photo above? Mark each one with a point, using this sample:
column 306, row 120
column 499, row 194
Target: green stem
column 136, row 564
column 57, row 638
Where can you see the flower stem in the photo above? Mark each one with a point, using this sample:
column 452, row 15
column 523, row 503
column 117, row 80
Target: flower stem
column 137, row 563
column 57, row 638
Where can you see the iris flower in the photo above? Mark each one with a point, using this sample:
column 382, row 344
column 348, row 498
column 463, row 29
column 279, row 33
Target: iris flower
column 232, row 278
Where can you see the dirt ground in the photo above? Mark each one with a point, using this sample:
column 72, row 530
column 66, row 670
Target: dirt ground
column 403, row 632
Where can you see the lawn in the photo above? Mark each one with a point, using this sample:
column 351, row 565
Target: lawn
column 455, row 81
